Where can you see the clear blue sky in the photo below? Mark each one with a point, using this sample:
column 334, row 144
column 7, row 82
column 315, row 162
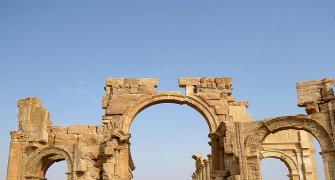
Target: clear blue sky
column 62, row 51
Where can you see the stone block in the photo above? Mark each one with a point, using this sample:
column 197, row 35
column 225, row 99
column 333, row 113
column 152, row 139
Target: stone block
column 88, row 138
column 105, row 102
column 120, row 91
column 19, row 136
column 92, row 129
column 239, row 103
column 109, row 151
column 81, row 165
column 218, row 102
column 115, row 82
column 58, row 130
column 149, row 82
column 116, row 109
column 132, row 82
column 93, row 152
column 100, row 130
column 146, row 90
column 221, row 109
column 126, row 97
column 209, row 96
column 65, row 139
column 315, row 91
column 77, row 129
column 207, row 90
column 224, row 80
column 133, row 90
column 188, row 81
column 206, row 80
column 239, row 114
column 29, row 101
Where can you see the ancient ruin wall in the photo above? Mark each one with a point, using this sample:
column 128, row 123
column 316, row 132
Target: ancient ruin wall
column 103, row 152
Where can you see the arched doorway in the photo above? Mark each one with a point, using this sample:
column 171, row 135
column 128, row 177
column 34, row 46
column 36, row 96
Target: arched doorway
column 293, row 147
column 39, row 163
column 164, row 138
column 194, row 103
column 118, row 120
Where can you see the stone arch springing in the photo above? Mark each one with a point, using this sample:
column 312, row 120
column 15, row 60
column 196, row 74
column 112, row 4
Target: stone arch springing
column 255, row 138
column 42, row 159
column 170, row 97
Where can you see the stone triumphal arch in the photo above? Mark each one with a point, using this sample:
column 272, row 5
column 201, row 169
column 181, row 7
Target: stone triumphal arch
column 238, row 144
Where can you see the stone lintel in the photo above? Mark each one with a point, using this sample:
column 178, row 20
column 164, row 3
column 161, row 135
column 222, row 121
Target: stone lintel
column 224, row 80
column 188, row 81
column 321, row 82
column 192, row 81
column 117, row 82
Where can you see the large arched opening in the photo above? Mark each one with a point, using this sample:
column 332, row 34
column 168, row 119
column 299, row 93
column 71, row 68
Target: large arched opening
column 164, row 136
column 171, row 97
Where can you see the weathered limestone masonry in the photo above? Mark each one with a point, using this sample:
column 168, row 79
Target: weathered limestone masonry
column 238, row 144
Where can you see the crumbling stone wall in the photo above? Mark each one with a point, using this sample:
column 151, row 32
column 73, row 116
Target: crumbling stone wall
column 103, row 152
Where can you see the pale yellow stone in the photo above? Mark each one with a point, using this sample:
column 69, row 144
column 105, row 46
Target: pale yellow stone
column 77, row 129
column 189, row 81
column 237, row 142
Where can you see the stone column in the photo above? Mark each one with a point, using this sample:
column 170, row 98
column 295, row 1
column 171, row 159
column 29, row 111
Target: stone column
column 207, row 170
column 294, row 177
column 117, row 159
column 254, row 168
column 209, row 157
column 194, row 177
column 318, row 99
column 15, row 163
column 33, row 127
column 329, row 164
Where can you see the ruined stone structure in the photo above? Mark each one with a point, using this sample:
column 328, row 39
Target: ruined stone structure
column 293, row 147
column 237, row 143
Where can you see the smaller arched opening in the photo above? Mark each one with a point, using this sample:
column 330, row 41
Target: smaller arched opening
column 255, row 139
column 56, row 171
column 282, row 171
column 278, row 164
column 41, row 161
